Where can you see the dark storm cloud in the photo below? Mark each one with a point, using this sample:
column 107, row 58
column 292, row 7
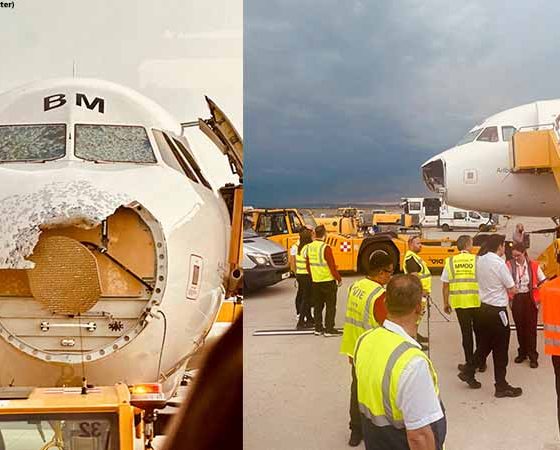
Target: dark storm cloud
column 345, row 100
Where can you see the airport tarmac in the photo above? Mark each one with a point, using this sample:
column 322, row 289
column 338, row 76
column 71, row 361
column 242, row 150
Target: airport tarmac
column 296, row 388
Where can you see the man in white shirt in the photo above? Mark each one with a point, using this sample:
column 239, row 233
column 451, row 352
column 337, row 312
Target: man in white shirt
column 527, row 276
column 495, row 286
column 410, row 416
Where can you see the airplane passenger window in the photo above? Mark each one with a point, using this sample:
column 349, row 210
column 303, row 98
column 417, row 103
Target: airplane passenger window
column 170, row 155
column 469, row 137
column 113, row 143
column 192, row 162
column 32, row 142
column 507, row 133
column 489, row 134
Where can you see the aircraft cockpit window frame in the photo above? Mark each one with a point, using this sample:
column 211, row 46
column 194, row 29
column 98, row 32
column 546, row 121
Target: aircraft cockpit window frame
column 170, row 155
column 38, row 160
column 508, row 132
column 469, row 137
column 489, row 134
column 153, row 159
column 192, row 162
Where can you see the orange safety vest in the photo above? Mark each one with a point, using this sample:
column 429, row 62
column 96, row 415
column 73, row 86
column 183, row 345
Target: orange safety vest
column 533, row 278
column 550, row 300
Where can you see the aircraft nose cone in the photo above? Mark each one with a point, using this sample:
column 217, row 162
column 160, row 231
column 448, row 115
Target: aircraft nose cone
column 433, row 173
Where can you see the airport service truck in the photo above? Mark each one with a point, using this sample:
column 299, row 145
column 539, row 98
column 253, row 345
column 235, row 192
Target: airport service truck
column 352, row 251
column 115, row 417
column 432, row 212
column 345, row 217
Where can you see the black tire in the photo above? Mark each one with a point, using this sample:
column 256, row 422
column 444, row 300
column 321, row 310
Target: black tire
column 374, row 247
column 445, row 227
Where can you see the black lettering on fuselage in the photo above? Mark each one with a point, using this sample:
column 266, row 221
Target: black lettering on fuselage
column 96, row 102
column 54, row 101
column 57, row 100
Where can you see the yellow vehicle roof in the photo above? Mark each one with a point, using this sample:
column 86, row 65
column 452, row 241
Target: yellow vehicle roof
column 69, row 399
column 271, row 210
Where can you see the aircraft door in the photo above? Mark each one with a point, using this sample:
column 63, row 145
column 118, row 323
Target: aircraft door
column 223, row 134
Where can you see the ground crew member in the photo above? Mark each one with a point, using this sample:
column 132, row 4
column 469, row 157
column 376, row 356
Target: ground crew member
column 495, row 283
column 398, row 390
column 365, row 309
column 326, row 279
column 304, row 296
column 413, row 263
column 460, row 293
column 527, row 276
column 550, row 297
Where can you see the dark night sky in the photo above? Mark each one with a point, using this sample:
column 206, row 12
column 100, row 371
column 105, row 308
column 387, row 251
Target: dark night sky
column 345, row 99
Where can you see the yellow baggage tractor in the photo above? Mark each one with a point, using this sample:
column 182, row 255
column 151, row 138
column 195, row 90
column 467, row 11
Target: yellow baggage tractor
column 351, row 251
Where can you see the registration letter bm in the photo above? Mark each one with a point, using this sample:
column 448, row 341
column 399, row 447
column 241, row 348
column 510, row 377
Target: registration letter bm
column 54, row 101
column 99, row 102
column 58, row 100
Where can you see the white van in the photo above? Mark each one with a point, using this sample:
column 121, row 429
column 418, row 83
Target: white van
column 424, row 211
column 453, row 218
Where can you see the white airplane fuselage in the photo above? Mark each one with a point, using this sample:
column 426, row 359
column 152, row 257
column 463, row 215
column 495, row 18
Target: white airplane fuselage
column 476, row 175
column 106, row 178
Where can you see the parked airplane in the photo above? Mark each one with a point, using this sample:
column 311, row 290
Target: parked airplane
column 477, row 172
column 113, row 243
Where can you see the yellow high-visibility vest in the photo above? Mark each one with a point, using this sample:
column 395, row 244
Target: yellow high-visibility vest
column 320, row 271
column 362, row 296
column 301, row 266
column 463, row 287
column 380, row 358
column 425, row 275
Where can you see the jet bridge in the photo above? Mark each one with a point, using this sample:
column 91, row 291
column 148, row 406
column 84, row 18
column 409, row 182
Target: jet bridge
column 537, row 149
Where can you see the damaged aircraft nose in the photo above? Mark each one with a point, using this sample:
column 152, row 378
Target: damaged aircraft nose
column 25, row 215
column 81, row 253
column 433, row 173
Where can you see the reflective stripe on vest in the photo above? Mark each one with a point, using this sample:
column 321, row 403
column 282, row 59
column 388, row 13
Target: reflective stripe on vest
column 380, row 358
column 319, row 268
column 425, row 275
column 360, row 306
column 550, row 299
column 463, row 287
column 301, row 265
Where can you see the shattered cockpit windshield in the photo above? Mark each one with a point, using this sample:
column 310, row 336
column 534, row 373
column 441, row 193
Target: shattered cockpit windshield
column 113, row 143
column 35, row 143
column 469, row 137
